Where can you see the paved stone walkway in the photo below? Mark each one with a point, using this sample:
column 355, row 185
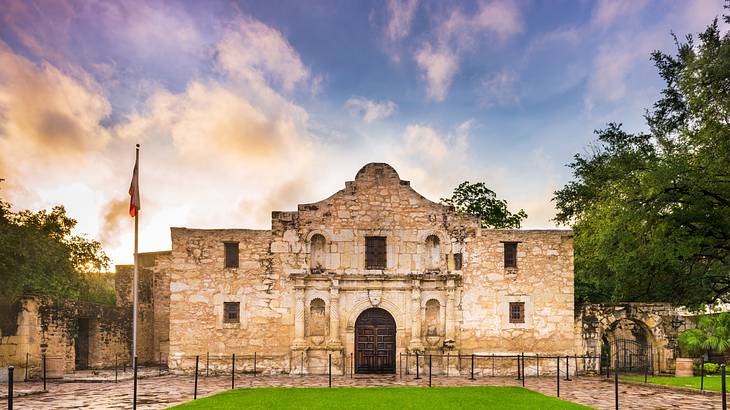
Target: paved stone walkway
column 164, row 391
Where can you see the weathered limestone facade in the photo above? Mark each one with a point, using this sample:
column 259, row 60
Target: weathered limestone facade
column 302, row 285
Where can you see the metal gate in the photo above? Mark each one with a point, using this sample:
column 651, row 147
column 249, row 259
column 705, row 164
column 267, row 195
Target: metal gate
column 631, row 356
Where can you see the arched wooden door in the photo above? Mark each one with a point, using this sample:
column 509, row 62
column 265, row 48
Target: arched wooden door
column 375, row 342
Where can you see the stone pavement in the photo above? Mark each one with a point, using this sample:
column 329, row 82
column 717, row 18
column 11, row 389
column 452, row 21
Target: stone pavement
column 164, row 391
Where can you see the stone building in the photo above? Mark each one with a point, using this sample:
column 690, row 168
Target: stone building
column 373, row 271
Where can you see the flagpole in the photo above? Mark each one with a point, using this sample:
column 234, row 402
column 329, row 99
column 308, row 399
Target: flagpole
column 136, row 270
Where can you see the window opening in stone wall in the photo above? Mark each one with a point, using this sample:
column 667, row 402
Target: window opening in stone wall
column 230, row 250
column 433, row 253
column 375, row 252
column 517, row 312
column 510, row 254
column 458, row 260
column 317, row 321
column 317, row 253
column 231, row 312
column 433, row 312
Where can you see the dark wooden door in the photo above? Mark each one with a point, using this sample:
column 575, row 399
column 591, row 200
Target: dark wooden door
column 375, row 342
column 81, row 344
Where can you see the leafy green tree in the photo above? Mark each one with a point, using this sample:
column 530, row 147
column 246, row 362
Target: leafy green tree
column 478, row 200
column 39, row 255
column 651, row 211
column 712, row 335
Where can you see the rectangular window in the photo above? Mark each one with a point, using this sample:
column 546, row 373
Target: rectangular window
column 517, row 312
column 457, row 261
column 375, row 253
column 510, row 254
column 231, row 312
column 231, row 254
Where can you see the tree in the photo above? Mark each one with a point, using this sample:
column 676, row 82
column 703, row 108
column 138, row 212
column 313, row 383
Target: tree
column 478, row 200
column 651, row 211
column 712, row 335
column 39, row 255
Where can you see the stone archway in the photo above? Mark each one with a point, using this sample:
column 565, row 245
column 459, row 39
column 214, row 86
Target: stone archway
column 375, row 332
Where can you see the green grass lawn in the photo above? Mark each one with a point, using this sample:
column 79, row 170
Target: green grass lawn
column 711, row 382
column 381, row 398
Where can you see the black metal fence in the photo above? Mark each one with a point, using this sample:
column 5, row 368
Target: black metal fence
column 411, row 366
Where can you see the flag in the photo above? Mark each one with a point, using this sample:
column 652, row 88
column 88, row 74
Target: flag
column 134, row 204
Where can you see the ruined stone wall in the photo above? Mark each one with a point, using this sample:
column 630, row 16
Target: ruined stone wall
column 543, row 281
column 200, row 284
column 153, row 302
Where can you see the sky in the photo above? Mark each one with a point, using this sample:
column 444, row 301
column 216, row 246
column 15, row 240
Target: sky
column 246, row 107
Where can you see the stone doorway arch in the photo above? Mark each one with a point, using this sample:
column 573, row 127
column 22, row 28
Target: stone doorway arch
column 375, row 332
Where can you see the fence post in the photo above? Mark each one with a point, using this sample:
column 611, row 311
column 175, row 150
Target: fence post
column 538, row 364
column 518, row 367
column 233, row 372
column 615, row 380
column 330, row 369
column 523, row 369
column 44, row 372
column 10, row 388
column 408, row 354
column 472, row 367
column 207, row 363
column 254, row 363
column 702, row 373
column 567, row 368
column 159, row 365
column 195, row 389
column 429, row 370
column 134, row 395
column 301, row 369
column 116, row 371
column 418, row 375
column 557, row 362
column 492, row 364
column 352, row 365
column 724, row 396
column 27, row 356
column 448, row 356
column 400, row 365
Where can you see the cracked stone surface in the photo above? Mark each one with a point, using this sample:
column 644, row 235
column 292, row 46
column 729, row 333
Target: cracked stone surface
column 167, row 390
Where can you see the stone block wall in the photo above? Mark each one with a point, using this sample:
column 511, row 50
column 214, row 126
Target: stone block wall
column 302, row 285
column 200, row 284
column 543, row 281
column 153, row 303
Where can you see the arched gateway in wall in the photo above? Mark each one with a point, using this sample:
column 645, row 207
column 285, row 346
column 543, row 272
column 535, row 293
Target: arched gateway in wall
column 375, row 342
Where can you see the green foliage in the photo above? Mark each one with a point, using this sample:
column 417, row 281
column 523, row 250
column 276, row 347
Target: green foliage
column 712, row 335
column 710, row 368
column 651, row 212
column 39, row 255
column 478, row 200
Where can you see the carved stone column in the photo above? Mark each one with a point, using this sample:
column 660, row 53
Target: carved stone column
column 450, row 304
column 299, row 341
column 334, row 339
column 416, row 343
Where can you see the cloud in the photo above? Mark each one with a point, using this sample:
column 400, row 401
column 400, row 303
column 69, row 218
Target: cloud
column 458, row 33
column 607, row 12
column 115, row 211
column 499, row 89
column 400, row 16
column 371, row 110
column 439, row 66
column 47, row 110
column 260, row 54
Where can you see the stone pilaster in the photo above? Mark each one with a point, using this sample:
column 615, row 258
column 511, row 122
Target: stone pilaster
column 334, row 339
column 450, row 304
column 299, row 341
column 416, row 343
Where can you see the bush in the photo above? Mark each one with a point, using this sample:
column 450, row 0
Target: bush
column 710, row 368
